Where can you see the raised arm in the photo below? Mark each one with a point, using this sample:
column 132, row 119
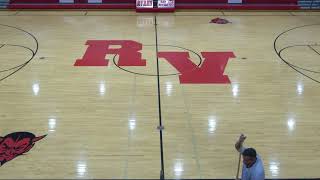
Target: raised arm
column 239, row 143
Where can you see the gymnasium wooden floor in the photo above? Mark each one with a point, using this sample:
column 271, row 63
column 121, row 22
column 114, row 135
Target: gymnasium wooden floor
column 103, row 121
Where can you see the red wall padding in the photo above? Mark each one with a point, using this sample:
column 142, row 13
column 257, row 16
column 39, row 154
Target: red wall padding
column 244, row 1
column 271, row 1
column 108, row 1
column 201, row 1
column 119, row 1
column 34, row 1
column 76, row 1
column 80, row 1
column 177, row 1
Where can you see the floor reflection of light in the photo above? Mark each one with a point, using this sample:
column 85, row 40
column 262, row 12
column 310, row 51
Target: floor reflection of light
column 300, row 88
column 178, row 168
column 274, row 168
column 102, row 88
column 81, row 169
column 169, row 88
column 36, row 89
column 212, row 122
column 132, row 124
column 235, row 90
column 145, row 21
column 52, row 124
column 291, row 124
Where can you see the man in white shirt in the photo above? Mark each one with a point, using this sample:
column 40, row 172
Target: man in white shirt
column 252, row 168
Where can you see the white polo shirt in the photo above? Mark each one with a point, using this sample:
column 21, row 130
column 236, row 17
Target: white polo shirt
column 255, row 172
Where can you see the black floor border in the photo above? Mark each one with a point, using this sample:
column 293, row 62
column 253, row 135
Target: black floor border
column 162, row 174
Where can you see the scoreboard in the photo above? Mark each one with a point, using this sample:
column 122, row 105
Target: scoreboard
column 155, row 3
column 144, row 3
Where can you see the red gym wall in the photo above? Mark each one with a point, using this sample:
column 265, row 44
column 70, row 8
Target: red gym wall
column 180, row 4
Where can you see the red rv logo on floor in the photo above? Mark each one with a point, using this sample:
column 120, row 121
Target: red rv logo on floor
column 209, row 72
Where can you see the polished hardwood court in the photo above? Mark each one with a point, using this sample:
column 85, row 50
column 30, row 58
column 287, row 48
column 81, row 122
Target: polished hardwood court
column 88, row 80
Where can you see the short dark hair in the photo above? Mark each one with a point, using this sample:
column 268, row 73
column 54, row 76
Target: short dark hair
column 250, row 152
